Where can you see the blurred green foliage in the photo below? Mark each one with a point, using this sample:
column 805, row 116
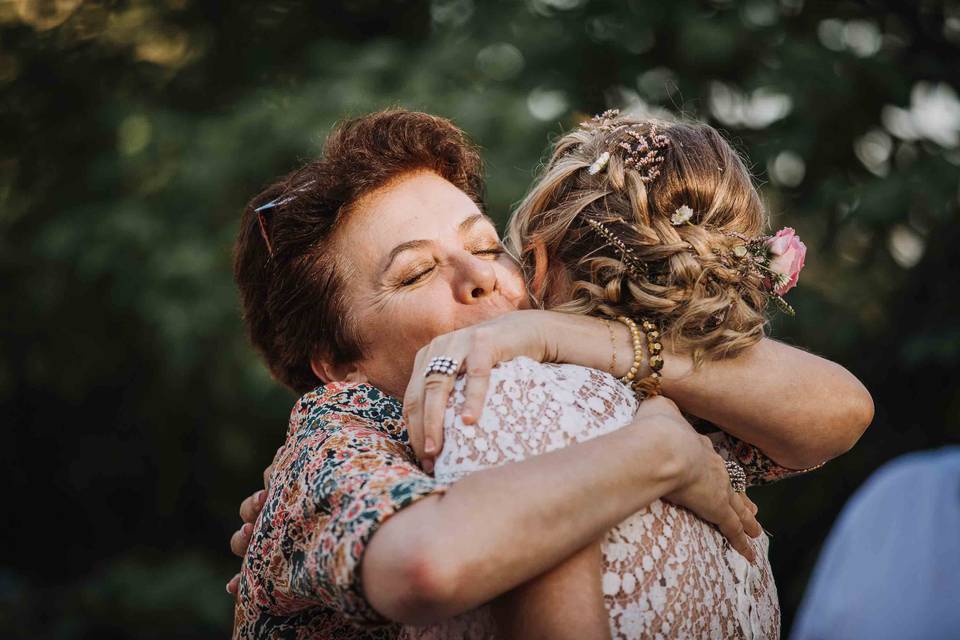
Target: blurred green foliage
column 132, row 133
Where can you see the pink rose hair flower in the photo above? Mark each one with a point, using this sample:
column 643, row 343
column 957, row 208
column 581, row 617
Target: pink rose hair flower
column 787, row 254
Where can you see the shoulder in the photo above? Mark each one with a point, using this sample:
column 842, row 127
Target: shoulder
column 336, row 427
column 332, row 407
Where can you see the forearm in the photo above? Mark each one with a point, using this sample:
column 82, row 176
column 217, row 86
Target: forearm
column 797, row 407
column 565, row 602
column 500, row 527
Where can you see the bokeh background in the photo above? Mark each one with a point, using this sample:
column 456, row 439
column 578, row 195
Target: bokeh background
column 131, row 134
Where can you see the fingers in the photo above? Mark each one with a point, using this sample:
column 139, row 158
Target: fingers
column 732, row 529
column 746, row 515
column 750, row 504
column 475, row 389
column 233, row 587
column 267, row 476
column 412, row 404
column 436, row 391
column 240, row 539
column 251, row 507
column 479, row 362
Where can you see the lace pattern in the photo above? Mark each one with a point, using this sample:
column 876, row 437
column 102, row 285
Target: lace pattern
column 666, row 573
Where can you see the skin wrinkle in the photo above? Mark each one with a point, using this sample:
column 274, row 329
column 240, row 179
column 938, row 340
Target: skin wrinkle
column 464, row 286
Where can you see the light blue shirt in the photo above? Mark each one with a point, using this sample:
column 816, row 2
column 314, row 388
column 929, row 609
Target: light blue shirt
column 891, row 565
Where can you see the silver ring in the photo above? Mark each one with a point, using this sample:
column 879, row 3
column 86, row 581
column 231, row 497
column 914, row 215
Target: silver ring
column 738, row 477
column 442, row 365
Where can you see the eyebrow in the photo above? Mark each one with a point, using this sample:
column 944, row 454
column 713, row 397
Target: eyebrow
column 465, row 225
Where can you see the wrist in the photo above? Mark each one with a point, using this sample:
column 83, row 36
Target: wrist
column 661, row 443
column 541, row 345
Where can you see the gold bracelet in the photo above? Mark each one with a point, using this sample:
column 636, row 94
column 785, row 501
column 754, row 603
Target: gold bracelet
column 637, row 349
column 613, row 347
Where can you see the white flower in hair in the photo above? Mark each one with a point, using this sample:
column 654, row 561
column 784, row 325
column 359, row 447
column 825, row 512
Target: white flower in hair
column 599, row 164
column 681, row 215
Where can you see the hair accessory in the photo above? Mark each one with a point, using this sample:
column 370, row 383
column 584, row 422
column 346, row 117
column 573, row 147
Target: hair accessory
column 636, row 268
column 284, row 199
column 642, row 149
column 602, row 121
column 681, row 215
column 273, row 204
column 778, row 259
column 599, row 164
column 643, row 153
column 442, row 365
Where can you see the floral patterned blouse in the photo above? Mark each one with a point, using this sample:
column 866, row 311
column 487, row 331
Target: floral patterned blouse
column 346, row 467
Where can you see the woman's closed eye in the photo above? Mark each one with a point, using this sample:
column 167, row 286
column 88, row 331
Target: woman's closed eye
column 419, row 272
column 495, row 250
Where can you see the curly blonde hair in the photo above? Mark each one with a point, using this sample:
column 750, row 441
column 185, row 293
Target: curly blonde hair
column 704, row 299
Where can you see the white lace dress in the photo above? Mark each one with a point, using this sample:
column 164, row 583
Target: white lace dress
column 666, row 573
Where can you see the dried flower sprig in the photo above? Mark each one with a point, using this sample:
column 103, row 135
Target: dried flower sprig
column 630, row 262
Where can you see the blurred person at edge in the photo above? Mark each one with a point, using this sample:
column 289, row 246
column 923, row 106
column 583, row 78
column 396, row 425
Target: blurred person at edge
column 328, row 282
column 890, row 567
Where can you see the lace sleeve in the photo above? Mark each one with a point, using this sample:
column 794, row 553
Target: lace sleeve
column 531, row 408
column 760, row 469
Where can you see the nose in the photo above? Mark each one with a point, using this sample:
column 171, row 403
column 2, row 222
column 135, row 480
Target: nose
column 476, row 279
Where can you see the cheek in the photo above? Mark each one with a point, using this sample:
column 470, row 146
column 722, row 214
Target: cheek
column 511, row 281
column 394, row 333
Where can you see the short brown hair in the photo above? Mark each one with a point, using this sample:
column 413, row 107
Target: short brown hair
column 706, row 304
column 291, row 290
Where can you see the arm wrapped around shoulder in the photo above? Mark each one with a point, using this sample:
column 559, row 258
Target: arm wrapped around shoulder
column 531, row 408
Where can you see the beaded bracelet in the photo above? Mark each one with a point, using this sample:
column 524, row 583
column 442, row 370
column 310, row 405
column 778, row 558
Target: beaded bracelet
column 650, row 385
column 637, row 350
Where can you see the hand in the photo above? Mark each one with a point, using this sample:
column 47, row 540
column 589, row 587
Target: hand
column 478, row 348
column 703, row 483
column 250, row 510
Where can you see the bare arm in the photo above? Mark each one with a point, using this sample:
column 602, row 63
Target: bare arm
column 447, row 554
column 798, row 408
column 565, row 602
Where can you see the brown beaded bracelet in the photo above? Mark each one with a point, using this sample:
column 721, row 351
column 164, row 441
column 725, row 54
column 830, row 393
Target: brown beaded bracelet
column 650, row 385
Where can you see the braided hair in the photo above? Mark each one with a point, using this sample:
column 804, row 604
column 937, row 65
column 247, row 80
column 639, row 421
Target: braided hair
column 707, row 303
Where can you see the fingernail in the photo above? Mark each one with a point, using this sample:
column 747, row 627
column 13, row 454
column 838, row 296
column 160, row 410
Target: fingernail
column 429, row 446
column 467, row 417
column 247, row 529
column 227, row 589
column 428, row 465
column 261, row 497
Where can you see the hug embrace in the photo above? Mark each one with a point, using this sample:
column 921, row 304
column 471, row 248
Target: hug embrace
column 545, row 436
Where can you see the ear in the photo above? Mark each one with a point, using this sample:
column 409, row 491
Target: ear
column 328, row 372
column 540, row 267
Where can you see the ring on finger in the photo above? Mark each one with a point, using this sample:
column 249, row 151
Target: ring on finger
column 738, row 477
column 442, row 365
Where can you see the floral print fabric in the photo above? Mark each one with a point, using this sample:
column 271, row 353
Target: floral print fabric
column 345, row 468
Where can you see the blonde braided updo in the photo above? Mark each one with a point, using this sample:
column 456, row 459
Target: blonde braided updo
column 689, row 283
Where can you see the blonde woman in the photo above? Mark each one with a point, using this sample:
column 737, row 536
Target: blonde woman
column 631, row 219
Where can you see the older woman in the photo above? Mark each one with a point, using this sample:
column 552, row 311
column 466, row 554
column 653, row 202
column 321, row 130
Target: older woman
column 331, row 264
